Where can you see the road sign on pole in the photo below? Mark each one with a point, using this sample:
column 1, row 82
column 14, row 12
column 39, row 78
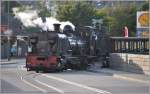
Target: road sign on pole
column 97, row 23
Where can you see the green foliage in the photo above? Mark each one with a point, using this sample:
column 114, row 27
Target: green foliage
column 117, row 17
column 145, row 6
column 114, row 18
column 8, row 5
column 44, row 13
column 42, row 10
column 101, row 13
column 79, row 13
column 24, row 8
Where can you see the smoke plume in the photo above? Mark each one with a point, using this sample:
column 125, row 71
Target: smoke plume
column 30, row 18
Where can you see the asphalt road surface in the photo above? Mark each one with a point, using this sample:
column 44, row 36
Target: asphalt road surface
column 15, row 79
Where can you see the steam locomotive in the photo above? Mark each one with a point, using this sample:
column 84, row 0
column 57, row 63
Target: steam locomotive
column 52, row 51
column 56, row 51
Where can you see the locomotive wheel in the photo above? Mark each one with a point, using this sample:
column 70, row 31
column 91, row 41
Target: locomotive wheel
column 37, row 71
column 28, row 69
column 60, row 66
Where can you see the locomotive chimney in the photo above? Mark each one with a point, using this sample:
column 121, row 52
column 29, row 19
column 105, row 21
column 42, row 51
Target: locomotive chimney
column 43, row 19
column 56, row 27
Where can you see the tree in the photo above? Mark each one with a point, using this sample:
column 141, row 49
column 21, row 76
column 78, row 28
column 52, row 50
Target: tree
column 79, row 13
column 145, row 6
column 118, row 16
column 42, row 9
column 8, row 5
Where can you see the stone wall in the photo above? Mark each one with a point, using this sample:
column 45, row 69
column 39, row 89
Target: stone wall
column 130, row 62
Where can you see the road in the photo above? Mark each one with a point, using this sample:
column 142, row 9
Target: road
column 15, row 79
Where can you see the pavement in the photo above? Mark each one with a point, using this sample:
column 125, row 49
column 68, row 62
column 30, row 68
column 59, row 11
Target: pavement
column 122, row 74
column 12, row 61
column 115, row 73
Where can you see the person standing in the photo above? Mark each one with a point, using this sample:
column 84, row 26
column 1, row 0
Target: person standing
column 125, row 31
column 13, row 51
column 19, row 51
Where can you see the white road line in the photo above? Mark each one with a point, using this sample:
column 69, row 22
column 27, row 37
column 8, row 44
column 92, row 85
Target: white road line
column 77, row 84
column 54, row 88
column 22, row 67
column 32, row 85
column 44, row 91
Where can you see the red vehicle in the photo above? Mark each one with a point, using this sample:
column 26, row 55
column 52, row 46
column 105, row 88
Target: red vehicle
column 45, row 51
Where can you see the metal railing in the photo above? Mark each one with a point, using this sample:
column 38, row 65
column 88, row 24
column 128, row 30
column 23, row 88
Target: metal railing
column 130, row 45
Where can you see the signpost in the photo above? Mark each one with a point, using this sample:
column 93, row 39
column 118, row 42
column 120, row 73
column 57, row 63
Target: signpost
column 98, row 22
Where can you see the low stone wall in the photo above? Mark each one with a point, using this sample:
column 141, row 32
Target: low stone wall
column 130, row 62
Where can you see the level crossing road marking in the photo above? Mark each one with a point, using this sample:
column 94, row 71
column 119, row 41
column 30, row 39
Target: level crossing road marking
column 54, row 88
column 25, row 81
column 99, row 91
column 22, row 67
column 44, row 91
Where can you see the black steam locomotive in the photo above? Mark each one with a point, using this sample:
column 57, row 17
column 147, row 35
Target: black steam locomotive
column 60, row 51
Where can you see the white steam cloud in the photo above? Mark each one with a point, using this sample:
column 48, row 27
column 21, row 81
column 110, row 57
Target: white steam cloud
column 63, row 24
column 29, row 18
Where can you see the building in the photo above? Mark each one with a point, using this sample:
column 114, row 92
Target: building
column 10, row 29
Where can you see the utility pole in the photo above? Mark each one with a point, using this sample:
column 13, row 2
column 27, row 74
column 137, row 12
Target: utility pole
column 8, row 33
